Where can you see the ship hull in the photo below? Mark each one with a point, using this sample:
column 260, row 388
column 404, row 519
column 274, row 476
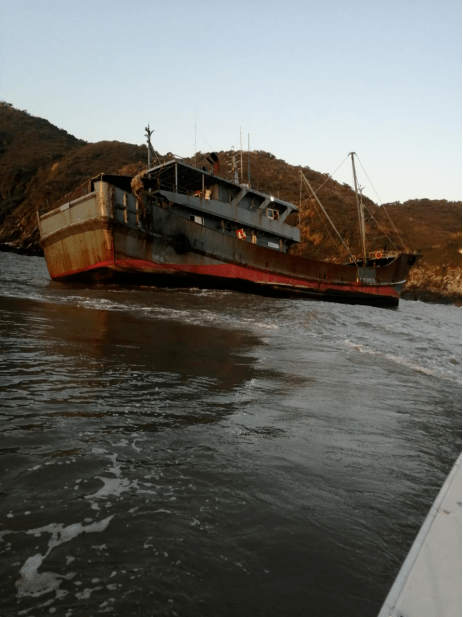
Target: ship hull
column 133, row 273
column 86, row 241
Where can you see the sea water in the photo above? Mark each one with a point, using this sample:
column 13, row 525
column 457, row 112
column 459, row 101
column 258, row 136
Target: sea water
column 190, row 452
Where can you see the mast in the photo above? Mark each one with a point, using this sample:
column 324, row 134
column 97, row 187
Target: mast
column 360, row 211
column 148, row 141
column 236, row 179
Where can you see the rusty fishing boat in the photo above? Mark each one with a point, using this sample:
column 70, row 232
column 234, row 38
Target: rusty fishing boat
column 180, row 225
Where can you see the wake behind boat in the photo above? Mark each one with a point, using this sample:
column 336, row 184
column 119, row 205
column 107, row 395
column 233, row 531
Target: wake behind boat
column 180, row 225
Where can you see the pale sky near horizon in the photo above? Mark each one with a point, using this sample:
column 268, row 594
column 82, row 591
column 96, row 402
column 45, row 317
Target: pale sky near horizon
column 309, row 81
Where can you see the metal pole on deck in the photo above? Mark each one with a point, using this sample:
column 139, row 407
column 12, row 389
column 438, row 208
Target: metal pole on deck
column 148, row 140
column 361, row 213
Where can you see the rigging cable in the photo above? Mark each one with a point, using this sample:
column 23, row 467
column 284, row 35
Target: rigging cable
column 330, row 176
column 309, row 186
column 338, row 246
column 300, row 199
column 381, row 228
column 381, row 204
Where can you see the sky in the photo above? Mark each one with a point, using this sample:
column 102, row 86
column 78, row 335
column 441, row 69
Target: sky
column 308, row 81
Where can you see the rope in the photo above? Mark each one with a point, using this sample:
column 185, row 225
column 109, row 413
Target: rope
column 309, row 186
column 384, row 207
column 330, row 176
column 306, row 201
column 338, row 246
column 383, row 230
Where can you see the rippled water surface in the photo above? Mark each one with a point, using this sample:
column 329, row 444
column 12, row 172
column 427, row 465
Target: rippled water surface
column 214, row 453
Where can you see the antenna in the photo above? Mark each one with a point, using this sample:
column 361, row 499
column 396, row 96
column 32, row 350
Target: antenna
column 249, row 164
column 241, row 158
column 195, row 139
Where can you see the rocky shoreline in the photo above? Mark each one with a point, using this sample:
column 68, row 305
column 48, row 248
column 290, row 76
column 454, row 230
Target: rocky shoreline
column 431, row 297
column 426, row 283
column 437, row 284
column 5, row 247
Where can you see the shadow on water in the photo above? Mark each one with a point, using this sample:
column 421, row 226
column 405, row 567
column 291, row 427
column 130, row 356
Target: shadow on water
column 74, row 361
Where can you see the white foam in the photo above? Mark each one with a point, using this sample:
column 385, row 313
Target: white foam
column 47, row 603
column 112, row 486
column 85, row 594
column 266, row 326
column 401, row 360
column 34, row 584
column 116, row 486
column 135, row 441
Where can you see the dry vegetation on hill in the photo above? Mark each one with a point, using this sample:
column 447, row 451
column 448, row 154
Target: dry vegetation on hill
column 39, row 163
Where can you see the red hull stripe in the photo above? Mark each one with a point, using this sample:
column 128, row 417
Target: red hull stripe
column 256, row 276
column 234, row 272
column 107, row 263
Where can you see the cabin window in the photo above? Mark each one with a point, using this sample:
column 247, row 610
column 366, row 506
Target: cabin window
column 272, row 214
column 197, row 219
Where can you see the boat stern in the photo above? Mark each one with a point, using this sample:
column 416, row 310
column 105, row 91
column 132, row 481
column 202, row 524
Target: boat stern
column 77, row 236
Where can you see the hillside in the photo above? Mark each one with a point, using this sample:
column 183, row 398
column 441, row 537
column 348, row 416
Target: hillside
column 27, row 145
column 40, row 162
column 433, row 227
